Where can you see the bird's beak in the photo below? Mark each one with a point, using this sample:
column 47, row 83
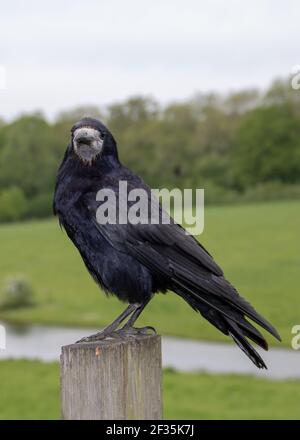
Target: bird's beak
column 87, row 144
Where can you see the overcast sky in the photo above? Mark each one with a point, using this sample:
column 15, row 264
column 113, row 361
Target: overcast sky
column 59, row 54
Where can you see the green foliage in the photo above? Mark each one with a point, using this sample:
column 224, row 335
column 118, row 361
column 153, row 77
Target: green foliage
column 29, row 155
column 13, row 204
column 232, row 146
column 273, row 190
column 17, row 293
column 268, row 146
column 40, row 206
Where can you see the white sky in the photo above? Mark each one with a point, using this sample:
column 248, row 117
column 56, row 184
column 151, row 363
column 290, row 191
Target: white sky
column 59, row 54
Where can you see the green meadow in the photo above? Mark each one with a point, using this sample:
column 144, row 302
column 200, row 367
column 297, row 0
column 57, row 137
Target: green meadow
column 34, row 394
column 256, row 244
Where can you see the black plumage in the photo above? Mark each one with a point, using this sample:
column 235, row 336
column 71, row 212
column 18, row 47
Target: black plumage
column 135, row 261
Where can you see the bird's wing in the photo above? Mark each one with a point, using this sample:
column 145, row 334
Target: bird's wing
column 173, row 255
column 170, row 235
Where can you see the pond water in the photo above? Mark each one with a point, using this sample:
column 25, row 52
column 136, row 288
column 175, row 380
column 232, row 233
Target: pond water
column 43, row 343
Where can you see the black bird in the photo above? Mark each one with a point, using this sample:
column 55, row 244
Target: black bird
column 135, row 261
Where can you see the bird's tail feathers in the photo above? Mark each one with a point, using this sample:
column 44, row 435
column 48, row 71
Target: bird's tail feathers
column 238, row 335
column 228, row 320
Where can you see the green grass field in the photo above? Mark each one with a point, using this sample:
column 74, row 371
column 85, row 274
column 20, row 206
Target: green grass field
column 30, row 390
column 257, row 245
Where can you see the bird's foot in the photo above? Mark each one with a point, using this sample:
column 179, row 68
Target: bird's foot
column 122, row 333
column 128, row 331
column 95, row 337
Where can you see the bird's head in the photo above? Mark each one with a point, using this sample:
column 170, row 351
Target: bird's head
column 88, row 139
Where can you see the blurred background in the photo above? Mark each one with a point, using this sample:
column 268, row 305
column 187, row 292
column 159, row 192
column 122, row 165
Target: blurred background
column 198, row 94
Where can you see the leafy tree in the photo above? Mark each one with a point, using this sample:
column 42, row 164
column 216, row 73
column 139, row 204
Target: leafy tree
column 241, row 145
column 13, row 204
column 268, row 146
column 28, row 155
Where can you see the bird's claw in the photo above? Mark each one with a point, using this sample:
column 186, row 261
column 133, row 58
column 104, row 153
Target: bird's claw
column 122, row 333
column 134, row 331
column 95, row 337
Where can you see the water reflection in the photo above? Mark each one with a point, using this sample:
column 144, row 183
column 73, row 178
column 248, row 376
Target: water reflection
column 43, row 343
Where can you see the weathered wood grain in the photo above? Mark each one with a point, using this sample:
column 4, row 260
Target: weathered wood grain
column 112, row 379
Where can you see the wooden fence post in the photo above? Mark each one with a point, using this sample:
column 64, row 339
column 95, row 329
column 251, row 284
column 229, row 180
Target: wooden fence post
column 112, row 379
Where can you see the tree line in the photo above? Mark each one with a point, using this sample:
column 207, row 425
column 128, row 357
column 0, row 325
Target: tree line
column 239, row 147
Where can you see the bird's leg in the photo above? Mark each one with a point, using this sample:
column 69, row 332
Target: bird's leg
column 129, row 330
column 110, row 329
